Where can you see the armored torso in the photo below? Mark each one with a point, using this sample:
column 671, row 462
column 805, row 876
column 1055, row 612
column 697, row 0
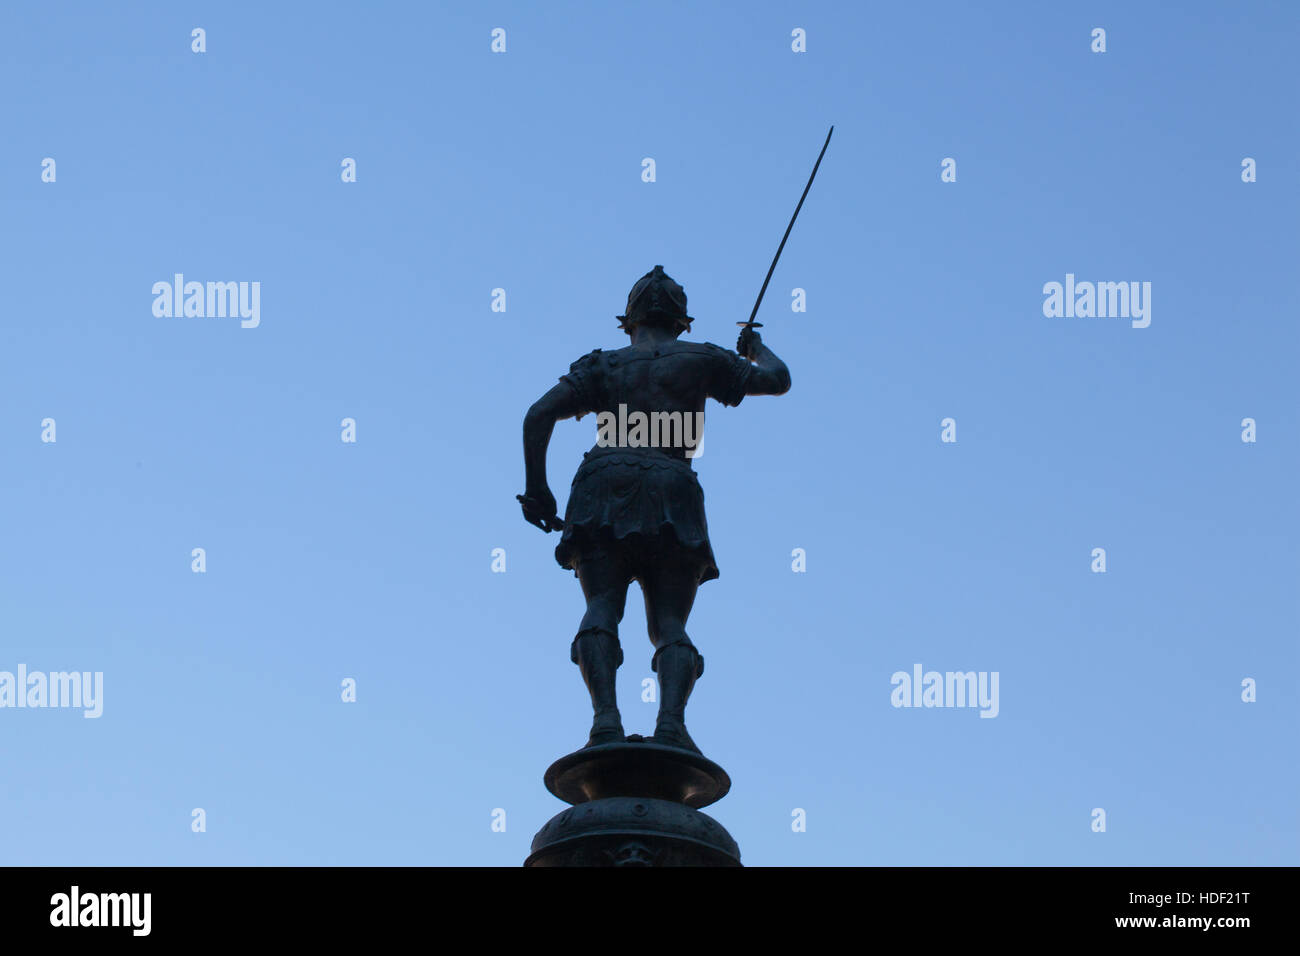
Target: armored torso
column 664, row 384
column 638, row 492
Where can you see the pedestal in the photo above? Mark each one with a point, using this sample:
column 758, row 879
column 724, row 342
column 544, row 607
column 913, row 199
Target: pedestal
column 635, row 804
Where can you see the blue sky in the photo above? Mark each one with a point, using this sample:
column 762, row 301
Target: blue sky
column 522, row 171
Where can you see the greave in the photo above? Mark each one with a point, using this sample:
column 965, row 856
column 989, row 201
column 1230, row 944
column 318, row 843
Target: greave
column 598, row 656
column 678, row 665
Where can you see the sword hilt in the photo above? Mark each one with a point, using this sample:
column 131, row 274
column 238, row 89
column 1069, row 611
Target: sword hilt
column 751, row 324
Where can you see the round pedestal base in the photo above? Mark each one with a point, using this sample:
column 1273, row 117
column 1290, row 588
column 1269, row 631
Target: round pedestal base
column 632, row 831
column 637, row 768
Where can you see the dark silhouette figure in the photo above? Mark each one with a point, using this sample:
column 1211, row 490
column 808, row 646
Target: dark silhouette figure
column 636, row 509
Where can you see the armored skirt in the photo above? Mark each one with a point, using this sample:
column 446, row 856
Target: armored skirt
column 640, row 504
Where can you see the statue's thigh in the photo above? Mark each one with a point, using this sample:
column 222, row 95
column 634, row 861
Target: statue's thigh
column 604, row 577
column 669, row 589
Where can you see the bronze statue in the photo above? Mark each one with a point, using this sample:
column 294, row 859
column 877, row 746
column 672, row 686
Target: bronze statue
column 636, row 509
column 636, row 512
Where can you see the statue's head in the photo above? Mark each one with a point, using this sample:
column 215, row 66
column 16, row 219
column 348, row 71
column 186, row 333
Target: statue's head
column 656, row 300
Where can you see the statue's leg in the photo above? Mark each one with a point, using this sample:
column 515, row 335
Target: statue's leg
column 669, row 595
column 596, row 650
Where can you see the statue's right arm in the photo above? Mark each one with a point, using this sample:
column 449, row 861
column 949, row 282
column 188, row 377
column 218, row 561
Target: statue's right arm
column 767, row 375
column 770, row 375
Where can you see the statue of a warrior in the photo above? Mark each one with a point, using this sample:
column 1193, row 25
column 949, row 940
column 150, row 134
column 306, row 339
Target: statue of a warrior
column 636, row 509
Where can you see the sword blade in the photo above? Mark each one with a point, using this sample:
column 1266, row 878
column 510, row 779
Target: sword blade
column 776, row 258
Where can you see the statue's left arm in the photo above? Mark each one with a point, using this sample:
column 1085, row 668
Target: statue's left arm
column 559, row 403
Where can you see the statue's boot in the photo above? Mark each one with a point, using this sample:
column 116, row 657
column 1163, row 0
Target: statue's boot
column 598, row 655
column 678, row 665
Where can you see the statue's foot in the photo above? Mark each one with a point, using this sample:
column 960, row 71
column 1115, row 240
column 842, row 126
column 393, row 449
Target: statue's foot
column 607, row 728
column 672, row 733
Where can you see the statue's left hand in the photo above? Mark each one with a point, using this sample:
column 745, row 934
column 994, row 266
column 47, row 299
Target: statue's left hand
column 539, row 509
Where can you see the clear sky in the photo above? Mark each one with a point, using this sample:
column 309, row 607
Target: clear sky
column 522, row 171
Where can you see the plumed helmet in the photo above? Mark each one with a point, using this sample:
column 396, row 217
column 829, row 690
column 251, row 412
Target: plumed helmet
column 655, row 292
